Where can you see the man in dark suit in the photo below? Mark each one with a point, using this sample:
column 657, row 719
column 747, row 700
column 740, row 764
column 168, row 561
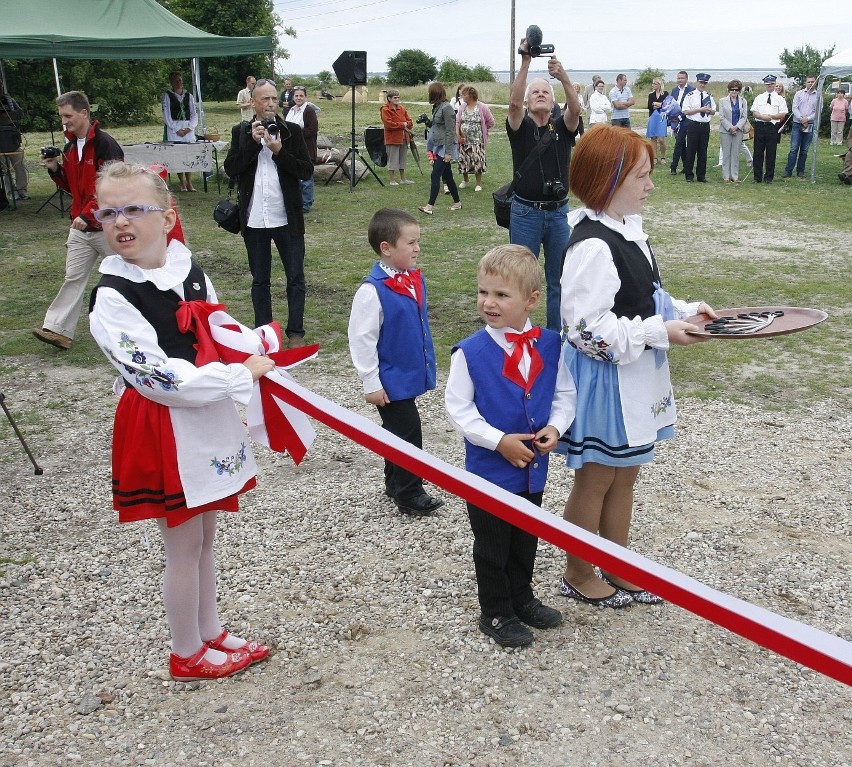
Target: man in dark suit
column 270, row 158
column 679, row 93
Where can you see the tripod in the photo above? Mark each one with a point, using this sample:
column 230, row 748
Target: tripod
column 61, row 192
column 351, row 153
column 38, row 470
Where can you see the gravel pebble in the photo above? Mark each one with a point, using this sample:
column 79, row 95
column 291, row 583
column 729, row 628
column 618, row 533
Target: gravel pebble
column 377, row 659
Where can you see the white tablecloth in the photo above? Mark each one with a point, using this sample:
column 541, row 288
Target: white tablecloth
column 177, row 158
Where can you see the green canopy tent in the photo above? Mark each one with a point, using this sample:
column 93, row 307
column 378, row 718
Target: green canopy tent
column 113, row 29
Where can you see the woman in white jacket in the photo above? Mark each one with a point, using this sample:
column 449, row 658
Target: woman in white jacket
column 599, row 105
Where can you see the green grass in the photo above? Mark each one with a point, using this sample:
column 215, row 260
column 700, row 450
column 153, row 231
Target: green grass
column 733, row 245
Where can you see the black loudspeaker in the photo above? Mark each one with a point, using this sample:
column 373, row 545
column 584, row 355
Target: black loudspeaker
column 351, row 68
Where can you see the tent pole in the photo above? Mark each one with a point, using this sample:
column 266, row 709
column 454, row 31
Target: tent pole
column 56, row 77
column 3, row 77
column 199, row 103
column 815, row 140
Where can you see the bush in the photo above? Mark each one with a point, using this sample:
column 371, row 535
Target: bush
column 482, row 74
column 646, row 77
column 411, row 66
column 453, row 71
column 377, row 80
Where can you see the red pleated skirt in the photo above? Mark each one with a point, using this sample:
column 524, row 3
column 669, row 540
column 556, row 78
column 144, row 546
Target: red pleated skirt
column 146, row 483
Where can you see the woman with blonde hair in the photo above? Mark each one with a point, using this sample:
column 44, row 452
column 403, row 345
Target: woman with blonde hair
column 473, row 121
column 657, row 122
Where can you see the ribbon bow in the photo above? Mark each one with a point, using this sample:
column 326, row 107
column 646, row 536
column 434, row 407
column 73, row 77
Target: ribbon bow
column 404, row 282
column 512, row 363
column 270, row 420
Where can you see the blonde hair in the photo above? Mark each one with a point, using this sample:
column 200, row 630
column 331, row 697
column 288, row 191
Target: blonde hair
column 515, row 264
column 122, row 171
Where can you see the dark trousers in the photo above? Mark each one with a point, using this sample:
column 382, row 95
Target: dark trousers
column 442, row 170
column 401, row 418
column 292, row 252
column 504, row 558
column 680, row 144
column 765, row 148
column 697, row 139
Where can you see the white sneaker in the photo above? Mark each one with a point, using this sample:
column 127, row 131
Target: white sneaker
column 463, row 185
column 407, row 182
column 749, row 163
column 393, row 183
column 477, row 188
column 446, row 189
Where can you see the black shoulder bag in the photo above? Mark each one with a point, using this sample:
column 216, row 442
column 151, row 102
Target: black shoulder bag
column 226, row 213
column 503, row 195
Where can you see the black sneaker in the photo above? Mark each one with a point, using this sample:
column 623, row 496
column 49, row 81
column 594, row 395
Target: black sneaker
column 507, row 632
column 419, row 506
column 539, row 615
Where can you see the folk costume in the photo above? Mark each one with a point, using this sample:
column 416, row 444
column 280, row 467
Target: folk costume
column 390, row 342
column 504, row 382
column 167, row 460
column 614, row 309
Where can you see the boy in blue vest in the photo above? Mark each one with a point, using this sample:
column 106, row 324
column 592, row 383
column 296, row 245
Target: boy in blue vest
column 391, row 346
column 511, row 399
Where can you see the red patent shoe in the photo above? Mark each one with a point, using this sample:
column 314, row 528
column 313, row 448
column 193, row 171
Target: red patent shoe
column 196, row 668
column 255, row 650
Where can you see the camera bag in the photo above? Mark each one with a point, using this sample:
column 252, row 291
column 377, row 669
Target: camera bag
column 10, row 138
column 226, row 213
column 503, row 196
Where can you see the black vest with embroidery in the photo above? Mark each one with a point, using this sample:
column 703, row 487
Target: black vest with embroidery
column 179, row 105
column 159, row 308
column 636, row 294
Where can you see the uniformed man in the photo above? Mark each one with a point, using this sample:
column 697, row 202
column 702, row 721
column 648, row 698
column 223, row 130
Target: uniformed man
column 698, row 108
column 769, row 110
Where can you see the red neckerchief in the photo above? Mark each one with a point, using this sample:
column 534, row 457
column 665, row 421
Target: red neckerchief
column 512, row 363
column 403, row 282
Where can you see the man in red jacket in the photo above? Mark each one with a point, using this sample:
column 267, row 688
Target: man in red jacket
column 88, row 148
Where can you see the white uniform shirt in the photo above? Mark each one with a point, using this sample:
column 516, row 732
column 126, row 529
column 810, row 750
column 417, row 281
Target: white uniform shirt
column 770, row 104
column 695, row 100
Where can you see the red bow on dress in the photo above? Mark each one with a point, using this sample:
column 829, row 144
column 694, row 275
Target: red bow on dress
column 403, row 282
column 512, row 363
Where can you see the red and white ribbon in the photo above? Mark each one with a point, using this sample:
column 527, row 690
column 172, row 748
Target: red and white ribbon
column 811, row 647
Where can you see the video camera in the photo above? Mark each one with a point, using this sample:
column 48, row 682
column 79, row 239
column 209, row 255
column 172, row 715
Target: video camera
column 536, row 46
column 423, row 119
column 49, row 152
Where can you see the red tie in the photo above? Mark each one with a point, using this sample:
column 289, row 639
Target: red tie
column 404, row 282
column 512, row 364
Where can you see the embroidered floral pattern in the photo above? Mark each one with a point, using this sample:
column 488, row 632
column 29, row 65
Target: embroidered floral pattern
column 142, row 372
column 593, row 346
column 664, row 404
column 232, row 464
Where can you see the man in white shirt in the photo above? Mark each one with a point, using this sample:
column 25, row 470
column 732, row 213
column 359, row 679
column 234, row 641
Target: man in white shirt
column 805, row 105
column 769, row 110
column 270, row 158
column 244, row 100
column 698, row 108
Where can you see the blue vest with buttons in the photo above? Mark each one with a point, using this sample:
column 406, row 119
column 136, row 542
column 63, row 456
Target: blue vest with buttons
column 506, row 407
column 407, row 365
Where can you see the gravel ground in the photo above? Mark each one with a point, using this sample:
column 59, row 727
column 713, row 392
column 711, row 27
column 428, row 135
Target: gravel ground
column 373, row 616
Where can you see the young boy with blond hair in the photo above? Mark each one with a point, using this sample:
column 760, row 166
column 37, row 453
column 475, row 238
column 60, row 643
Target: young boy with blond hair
column 511, row 399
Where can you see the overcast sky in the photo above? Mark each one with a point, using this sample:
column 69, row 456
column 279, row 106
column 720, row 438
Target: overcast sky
column 593, row 34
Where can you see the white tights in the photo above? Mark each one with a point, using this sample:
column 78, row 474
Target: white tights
column 189, row 584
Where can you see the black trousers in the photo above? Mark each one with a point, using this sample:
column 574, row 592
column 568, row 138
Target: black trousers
column 765, row 148
column 503, row 558
column 697, row 139
column 679, row 145
column 402, row 418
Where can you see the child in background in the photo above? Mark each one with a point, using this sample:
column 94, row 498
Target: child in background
column 619, row 324
column 168, row 463
column 391, row 346
column 511, row 400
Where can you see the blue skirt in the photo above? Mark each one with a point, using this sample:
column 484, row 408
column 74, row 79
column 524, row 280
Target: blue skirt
column 657, row 125
column 598, row 434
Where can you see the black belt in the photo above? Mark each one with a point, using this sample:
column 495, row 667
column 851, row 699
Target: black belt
column 542, row 204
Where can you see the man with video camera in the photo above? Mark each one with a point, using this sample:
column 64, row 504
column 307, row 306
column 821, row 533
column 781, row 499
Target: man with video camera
column 270, row 158
column 88, row 148
column 540, row 202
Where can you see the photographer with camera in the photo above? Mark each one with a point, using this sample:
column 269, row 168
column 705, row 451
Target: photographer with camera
column 540, row 203
column 88, row 148
column 270, row 158
column 11, row 115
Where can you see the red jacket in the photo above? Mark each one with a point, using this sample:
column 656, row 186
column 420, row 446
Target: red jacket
column 78, row 178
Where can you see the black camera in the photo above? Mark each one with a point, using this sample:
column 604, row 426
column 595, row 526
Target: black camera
column 536, row 46
column 271, row 127
column 554, row 189
column 49, row 152
column 423, row 119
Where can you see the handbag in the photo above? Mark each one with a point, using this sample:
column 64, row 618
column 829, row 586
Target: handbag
column 748, row 131
column 503, row 196
column 10, row 138
column 226, row 213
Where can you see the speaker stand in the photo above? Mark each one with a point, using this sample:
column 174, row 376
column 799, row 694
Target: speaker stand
column 350, row 155
column 49, row 201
